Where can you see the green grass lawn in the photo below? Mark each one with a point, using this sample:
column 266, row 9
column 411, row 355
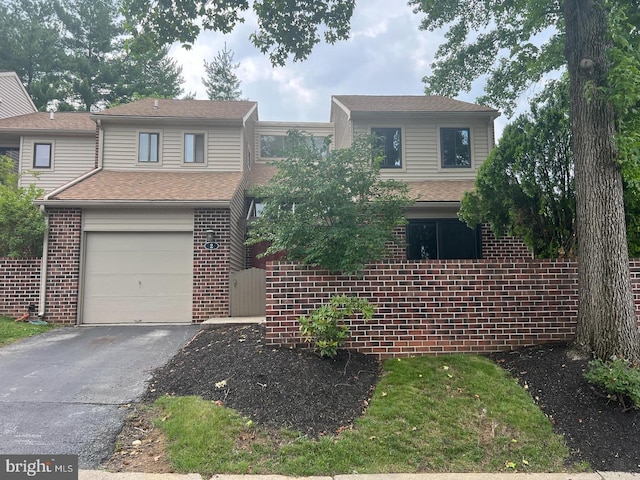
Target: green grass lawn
column 11, row 331
column 458, row 413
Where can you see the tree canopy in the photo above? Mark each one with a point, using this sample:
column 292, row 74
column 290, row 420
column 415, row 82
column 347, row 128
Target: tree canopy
column 329, row 208
column 221, row 81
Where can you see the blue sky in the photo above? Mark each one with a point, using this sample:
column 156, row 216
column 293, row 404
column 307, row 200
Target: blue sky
column 387, row 54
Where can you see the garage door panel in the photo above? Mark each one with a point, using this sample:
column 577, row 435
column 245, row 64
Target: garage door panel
column 135, row 277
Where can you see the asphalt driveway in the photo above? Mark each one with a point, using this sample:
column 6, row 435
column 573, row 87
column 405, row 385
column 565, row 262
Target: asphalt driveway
column 66, row 391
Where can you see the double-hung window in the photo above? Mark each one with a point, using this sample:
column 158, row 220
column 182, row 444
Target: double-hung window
column 193, row 148
column 389, row 144
column 42, row 155
column 148, row 147
column 455, row 147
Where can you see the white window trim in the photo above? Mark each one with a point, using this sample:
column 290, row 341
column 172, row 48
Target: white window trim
column 182, row 149
column 150, row 131
column 472, row 142
column 403, row 134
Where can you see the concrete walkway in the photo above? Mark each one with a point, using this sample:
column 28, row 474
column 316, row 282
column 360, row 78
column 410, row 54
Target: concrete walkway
column 101, row 475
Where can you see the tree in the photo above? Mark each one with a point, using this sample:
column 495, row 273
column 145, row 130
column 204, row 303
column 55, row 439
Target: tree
column 328, row 208
column 286, row 28
column 585, row 39
column 221, row 81
column 22, row 225
column 525, row 187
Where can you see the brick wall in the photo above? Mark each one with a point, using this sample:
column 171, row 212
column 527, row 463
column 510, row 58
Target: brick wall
column 19, row 285
column 436, row 307
column 211, row 268
column 63, row 272
column 501, row 248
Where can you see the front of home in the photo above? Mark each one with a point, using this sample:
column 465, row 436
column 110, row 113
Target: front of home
column 148, row 203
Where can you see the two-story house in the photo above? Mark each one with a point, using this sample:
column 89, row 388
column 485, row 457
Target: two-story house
column 154, row 230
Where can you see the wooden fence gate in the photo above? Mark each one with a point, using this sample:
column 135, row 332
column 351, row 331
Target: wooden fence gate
column 247, row 292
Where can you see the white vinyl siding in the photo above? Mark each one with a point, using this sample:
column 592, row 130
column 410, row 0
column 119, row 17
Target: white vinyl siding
column 224, row 151
column 71, row 157
column 137, row 277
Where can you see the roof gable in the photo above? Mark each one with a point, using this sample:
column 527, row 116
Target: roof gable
column 14, row 99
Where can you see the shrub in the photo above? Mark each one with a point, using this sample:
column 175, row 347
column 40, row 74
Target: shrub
column 618, row 378
column 324, row 327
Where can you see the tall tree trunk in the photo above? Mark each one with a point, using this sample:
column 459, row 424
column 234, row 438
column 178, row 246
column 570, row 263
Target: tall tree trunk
column 607, row 322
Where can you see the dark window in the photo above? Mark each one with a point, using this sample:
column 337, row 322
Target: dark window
column 42, row 155
column 455, row 147
column 389, row 142
column 194, row 148
column 442, row 239
column 148, row 147
column 278, row 146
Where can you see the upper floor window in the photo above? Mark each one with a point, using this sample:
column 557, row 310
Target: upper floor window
column 42, row 155
column 277, row 146
column 148, row 144
column 389, row 141
column 194, row 148
column 455, row 147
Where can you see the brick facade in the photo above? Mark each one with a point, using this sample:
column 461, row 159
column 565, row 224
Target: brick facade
column 211, row 268
column 19, row 285
column 438, row 306
column 63, row 265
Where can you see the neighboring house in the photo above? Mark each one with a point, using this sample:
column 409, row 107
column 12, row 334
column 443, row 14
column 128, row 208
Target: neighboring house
column 14, row 101
column 50, row 149
column 151, row 229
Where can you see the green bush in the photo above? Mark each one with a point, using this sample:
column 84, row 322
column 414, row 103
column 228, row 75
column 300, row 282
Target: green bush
column 324, row 327
column 618, row 378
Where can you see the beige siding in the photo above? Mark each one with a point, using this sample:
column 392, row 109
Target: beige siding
column 421, row 149
column 249, row 133
column 238, row 230
column 140, row 220
column 224, row 150
column 343, row 129
column 14, row 98
column 71, row 157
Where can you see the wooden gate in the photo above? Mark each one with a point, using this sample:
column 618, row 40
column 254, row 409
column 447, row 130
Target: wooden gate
column 247, row 291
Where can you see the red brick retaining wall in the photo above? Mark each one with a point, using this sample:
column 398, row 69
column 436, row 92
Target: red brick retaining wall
column 19, row 285
column 436, row 307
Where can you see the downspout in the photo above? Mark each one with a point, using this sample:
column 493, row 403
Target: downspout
column 43, row 265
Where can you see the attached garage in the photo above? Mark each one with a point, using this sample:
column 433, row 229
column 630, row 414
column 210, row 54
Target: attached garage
column 134, row 270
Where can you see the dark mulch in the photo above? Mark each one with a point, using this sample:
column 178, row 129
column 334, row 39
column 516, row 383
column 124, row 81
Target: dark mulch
column 280, row 387
column 596, row 429
column 297, row 389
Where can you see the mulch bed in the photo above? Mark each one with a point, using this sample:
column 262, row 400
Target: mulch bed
column 299, row 390
column 288, row 388
column 596, row 429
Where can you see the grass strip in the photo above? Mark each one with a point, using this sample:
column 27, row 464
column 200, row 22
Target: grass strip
column 12, row 331
column 458, row 413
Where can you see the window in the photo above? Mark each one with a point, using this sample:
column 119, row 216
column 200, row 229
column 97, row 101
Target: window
column 389, row 142
column 193, row 148
column 442, row 239
column 42, row 155
column 276, row 146
column 455, row 147
column 148, row 147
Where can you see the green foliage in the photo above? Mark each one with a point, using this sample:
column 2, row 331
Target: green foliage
column 526, row 186
column 618, row 379
column 221, row 81
column 285, row 27
column 329, row 208
column 12, row 331
column 8, row 175
column 22, row 225
column 324, row 326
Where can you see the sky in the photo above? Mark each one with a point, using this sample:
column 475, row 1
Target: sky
column 387, row 54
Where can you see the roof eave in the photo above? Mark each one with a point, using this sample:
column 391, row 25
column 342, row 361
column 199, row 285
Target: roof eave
column 134, row 203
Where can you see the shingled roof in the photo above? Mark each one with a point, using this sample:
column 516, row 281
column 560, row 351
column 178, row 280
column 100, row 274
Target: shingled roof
column 121, row 186
column 42, row 121
column 422, row 191
column 408, row 104
column 186, row 109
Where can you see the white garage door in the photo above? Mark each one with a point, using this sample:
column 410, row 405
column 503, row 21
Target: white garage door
column 137, row 277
